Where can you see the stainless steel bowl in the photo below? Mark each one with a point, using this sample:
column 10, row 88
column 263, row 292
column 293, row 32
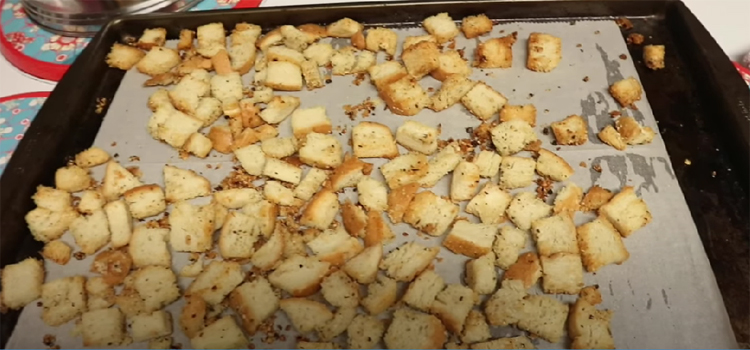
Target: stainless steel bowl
column 86, row 17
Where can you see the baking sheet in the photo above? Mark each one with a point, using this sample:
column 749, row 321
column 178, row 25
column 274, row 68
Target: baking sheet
column 664, row 296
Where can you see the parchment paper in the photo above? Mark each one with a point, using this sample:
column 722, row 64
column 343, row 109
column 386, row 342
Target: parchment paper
column 664, row 296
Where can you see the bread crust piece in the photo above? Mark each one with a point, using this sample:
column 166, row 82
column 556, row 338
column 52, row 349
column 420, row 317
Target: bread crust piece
column 411, row 329
column 626, row 91
column 496, row 52
column 570, row 131
column 544, row 52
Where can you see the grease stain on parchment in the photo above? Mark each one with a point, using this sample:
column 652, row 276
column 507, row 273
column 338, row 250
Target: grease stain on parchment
column 666, row 299
column 642, row 166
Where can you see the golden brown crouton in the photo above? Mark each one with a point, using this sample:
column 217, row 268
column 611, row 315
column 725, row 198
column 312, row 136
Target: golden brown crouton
column 545, row 52
column 653, row 56
column 420, row 59
column 570, row 131
column 626, row 91
column 495, row 53
column 474, row 26
column 441, row 26
column 526, row 113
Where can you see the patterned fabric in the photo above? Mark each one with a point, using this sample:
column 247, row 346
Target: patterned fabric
column 16, row 114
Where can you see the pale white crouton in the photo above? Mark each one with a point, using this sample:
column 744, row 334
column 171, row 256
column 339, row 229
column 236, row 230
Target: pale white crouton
column 148, row 246
column 144, row 201
column 430, row 213
column 222, row 334
column 177, row 128
column 526, row 208
column 242, row 51
column 405, row 262
column 120, row 223
column 422, row 291
column 193, row 269
column 321, row 151
column 481, row 275
column 216, row 281
column 588, row 327
column 626, row 211
column 385, row 73
column 373, row 140
column 476, row 328
column 495, row 52
column 516, row 172
column 305, row 315
column 626, row 91
column 294, row 38
column 452, row 306
column 191, row 227
column 483, row 102
column 338, row 324
column 600, row 245
column 281, row 170
column 46, row 225
column 364, row 267
column 404, row 169
column 211, row 39
column 339, row 290
column 278, row 147
column 343, row 28
column 238, row 236
column 148, row 326
column 187, row 94
column 474, row 26
column 441, row 164
column 472, row 240
column 349, row 173
column 90, row 232
column 53, row 199
column 321, row 210
column 404, row 96
column 57, row 251
column 310, row 184
column 311, row 74
column 382, row 39
column 275, row 192
column 91, row 157
column 307, row 120
column 418, row 137
column 465, row 181
column 380, row 295
column 227, row 87
column 364, row 332
column 373, row 194
column 284, row 54
column 316, row 345
column 123, row 56
column 343, row 61
column 412, row 40
column 553, row 166
column 488, row 163
column 421, row 58
column 454, row 87
column 568, row 199
column 544, row 317
column 319, row 53
column 254, row 301
column 365, row 60
column 450, row 63
column 269, row 40
column 63, row 299
column 441, row 26
column 508, row 244
column 335, row 246
column 411, row 329
column 158, row 60
column 544, row 52
column 100, row 295
column 520, row 342
column 73, row 178
column 512, row 136
column 399, row 200
column 283, row 76
column 252, row 158
column 299, row 276
column 22, row 283
column 183, row 184
column 555, row 234
column 505, row 306
column 562, row 273
column 103, row 327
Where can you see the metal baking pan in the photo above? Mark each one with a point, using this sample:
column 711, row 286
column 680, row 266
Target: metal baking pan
column 700, row 102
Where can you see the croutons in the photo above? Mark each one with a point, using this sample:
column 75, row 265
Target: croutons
column 411, row 329
column 339, row 290
column 450, row 63
column 307, row 120
column 124, row 56
column 343, row 61
column 183, row 184
column 349, row 173
column 149, row 326
column 144, row 201
column 91, row 232
column 520, row 342
column 373, row 194
column 254, row 301
column 418, row 137
column 488, row 163
column 46, row 225
column 430, row 213
column 421, row 58
column 526, row 269
column 252, row 158
column 343, row 28
column 476, row 328
column 281, row 170
column 512, row 136
column 404, row 96
column 377, row 232
column 472, row 240
column 555, row 234
column 516, row 172
column 398, row 201
column 279, row 109
column 525, row 208
column 544, row 52
column 198, row 145
column 63, row 299
column 610, row 136
column 441, row 164
column 238, row 236
column 413, row 40
column 52, row 199
column 299, row 276
column 148, row 289
column 626, row 91
column 321, row 150
column 441, row 26
column 380, row 295
column 464, row 182
column 91, row 157
column 481, row 275
column 474, row 26
column 364, row 332
column 320, row 53
column 452, row 306
column 73, row 178
column 283, row 76
column 496, row 52
column 191, row 227
column 100, row 295
column 364, row 267
column 306, row 315
column 311, row 73
column 22, row 283
column 453, row 89
column 404, row 169
column 600, row 245
column 483, row 101
column 553, row 166
column 373, row 140
column 508, row 244
column 422, row 291
column 653, row 56
column 489, row 204
column 222, row 334
column 216, row 281
column 543, row 316
column 562, row 273
column 407, row 261
column 526, row 113
column 567, row 199
column 338, row 324
column 57, row 251
column 321, row 210
column 381, row 39
column 355, row 219
column 103, row 327
column 148, row 246
column 632, row 132
column 335, row 246
column 211, row 39
column 588, row 327
column 158, row 60
column 385, row 73
column 570, row 131
column 269, row 255
column 310, row 184
column 626, row 211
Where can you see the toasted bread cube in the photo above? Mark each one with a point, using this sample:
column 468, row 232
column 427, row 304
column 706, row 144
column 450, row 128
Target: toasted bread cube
column 158, row 60
column 279, row 109
column 242, row 51
column 653, row 56
column 192, row 227
column 404, row 96
column 52, row 199
column 505, row 306
column 508, row 244
column 441, row 26
column 481, row 275
column 399, row 200
column 626, row 91
column 149, row 326
column 299, row 276
column 373, row 194
column 198, row 145
column 238, row 236
column 152, row 37
column 265, row 214
column 269, row 40
column 488, row 163
column 373, row 140
column 339, row 290
column 476, row 328
column 450, row 63
column 474, row 26
column 570, row 131
column 283, row 76
column 445, row 161
column 305, row 315
column 465, row 181
column 72, row 178
column 489, row 204
column 365, row 60
column 382, row 39
column 145, row 201
column 294, row 38
column 187, row 94
column 193, row 269
column 149, row 289
column 343, row 28
column 516, row 172
column 544, row 52
column 343, row 61
column 311, row 73
column 310, row 184
column 148, row 246
column 46, row 225
column 349, row 173
column 526, row 269
column 453, row 89
column 407, row 261
column 284, row 54
column 216, row 281
column 321, row 150
column 227, row 87
column 252, row 158
column 364, row 332
column 57, row 251
column 418, row 137
column 355, row 219
column 177, row 129
column 358, row 40
column 124, row 56
column 566, row 201
column 91, row 232
column 222, row 334
column 553, row 166
column 335, row 246
column 320, row 53
column 281, row 170
column 626, row 212
column 338, row 324
column 321, row 210
column 452, row 305
column 22, row 282
column 380, row 295
column 100, row 295
column 92, row 157
column 103, row 327
column 183, row 184
column 611, row 137
column 307, row 120
column 520, row 342
column 193, row 314
column 632, row 132
column 496, row 52
column 472, row 240
column 120, row 223
column 63, row 299
column 404, row 169
column 526, row 113
column 422, row 291
column 562, row 273
column 377, row 232
column 254, row 301
column 364, row 266
column 421, row 58
column 413, row 40
column 411, row 329
column 527, row 208
column 600, row 245
column 588, row 327
column 544, row 316
column 483, row 101
column 269, row 255
column 278, row 194
column 211, row 39
column 385, row 73
column 512, row 136
column 430, row 213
